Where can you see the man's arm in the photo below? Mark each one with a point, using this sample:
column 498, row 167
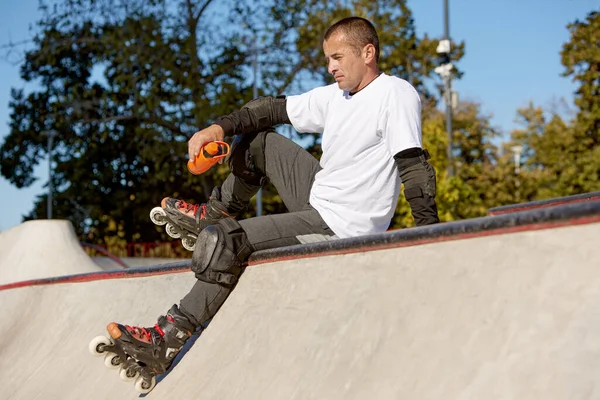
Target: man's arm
column 306, row 112
column 418, row 177
column 255, row 116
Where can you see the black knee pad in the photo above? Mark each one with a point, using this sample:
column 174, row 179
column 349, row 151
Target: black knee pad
column 247, row 157
column 220, row 252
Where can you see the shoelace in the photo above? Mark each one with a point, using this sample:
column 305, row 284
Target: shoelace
column 203, row 212
column 143, row 333
column 188, row 207
column 193, row 208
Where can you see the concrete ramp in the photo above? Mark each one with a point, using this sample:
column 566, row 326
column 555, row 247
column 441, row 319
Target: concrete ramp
column 511, row 313
column 40, row 249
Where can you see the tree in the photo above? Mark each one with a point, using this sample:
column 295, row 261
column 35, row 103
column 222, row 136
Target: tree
column 125, row 84
column 581, row 58
column 478, row 181
column 561, row 157
column 564, row 154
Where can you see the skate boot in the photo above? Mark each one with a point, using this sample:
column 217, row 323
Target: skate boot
column 186, row 220
column 143, row 353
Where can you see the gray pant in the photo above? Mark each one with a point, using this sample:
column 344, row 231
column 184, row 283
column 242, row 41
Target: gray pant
column 292, row 170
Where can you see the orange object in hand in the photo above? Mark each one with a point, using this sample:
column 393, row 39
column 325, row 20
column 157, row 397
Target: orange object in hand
column 210, row 154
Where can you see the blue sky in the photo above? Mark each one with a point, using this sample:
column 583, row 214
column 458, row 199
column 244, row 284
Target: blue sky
column 512, row 58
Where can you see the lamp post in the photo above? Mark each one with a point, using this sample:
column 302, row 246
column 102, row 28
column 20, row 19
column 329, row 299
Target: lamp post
column 50, row 134
column 255, row 49
column 445, row 71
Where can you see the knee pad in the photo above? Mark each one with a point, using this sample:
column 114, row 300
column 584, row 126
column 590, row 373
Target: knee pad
column 247, row 158
column 220, row 252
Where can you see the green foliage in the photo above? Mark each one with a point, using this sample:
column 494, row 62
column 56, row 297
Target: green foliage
column 125, row 83
column 560, row 157
column 557, row 153
column 300, row 26
column 581, row 58
column 474, row 186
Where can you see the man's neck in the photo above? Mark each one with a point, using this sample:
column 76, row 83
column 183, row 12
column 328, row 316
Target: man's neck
column 370, row 77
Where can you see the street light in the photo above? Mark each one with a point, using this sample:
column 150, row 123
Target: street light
column 517, row 151
column 50, row 134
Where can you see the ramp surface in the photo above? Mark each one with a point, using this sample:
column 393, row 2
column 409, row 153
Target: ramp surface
column 504, row 316
column 41, row 249
column 503, row 307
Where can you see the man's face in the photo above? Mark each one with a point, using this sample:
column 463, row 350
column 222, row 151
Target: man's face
column 347, row 67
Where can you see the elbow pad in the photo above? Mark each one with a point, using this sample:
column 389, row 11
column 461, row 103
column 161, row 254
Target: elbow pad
column 419, row 181
column 256, row 116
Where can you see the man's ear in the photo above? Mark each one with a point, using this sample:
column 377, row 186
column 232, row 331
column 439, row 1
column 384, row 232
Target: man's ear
column 369, row 52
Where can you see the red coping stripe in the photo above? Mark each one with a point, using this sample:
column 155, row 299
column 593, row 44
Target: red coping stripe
column 544, row 204
column 96, row 276
column 438, row 239
column 186, row 266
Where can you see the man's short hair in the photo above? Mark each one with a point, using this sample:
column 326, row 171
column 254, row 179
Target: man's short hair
column 359, row 31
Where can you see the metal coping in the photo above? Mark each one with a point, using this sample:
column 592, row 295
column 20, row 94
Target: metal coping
column 536, row 219
column 542, row 218
column 577, row 198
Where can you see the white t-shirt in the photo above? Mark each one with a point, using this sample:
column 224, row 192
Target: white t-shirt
column 357, row 190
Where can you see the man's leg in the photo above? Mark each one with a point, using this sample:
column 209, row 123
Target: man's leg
column 224, row 247
column 263, row 156
column 254, row 158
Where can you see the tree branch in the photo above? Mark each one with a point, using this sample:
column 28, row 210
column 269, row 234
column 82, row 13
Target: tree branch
column 110, row 119
column 291, row 76
column 202, row 9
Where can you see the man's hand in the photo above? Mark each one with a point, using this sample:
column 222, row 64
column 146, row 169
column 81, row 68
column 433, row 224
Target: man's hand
column 200, row 138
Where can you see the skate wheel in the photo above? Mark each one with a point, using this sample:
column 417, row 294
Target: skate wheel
column 128, row 374
column 112, row 360
column 188, row 243
column 172, row 231
column 96, row 346
column 142, row 386
column 157, row 216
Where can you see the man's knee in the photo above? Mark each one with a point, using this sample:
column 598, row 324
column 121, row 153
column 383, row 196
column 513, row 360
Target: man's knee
column 247, row 159
column 220, row 252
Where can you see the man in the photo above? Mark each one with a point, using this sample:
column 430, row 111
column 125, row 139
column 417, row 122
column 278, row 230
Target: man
column 371, row 136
